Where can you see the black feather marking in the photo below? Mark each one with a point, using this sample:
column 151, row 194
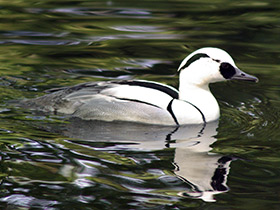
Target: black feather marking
column 193, row 59
column 74, row 88
column 169, row 109
column 151, row 85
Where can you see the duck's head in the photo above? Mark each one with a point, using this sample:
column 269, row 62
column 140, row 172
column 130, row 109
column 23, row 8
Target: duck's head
column 208, row 65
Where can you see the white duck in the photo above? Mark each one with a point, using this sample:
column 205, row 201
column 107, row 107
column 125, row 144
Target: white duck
column 150, row 102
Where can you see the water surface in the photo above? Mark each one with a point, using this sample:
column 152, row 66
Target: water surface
column 48, row 162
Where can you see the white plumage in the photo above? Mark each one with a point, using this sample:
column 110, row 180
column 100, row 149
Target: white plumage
column 149, row 102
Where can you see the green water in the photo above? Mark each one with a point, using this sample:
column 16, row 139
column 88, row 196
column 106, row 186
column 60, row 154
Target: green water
column 48, row 162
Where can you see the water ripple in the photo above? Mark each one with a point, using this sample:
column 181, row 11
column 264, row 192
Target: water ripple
column 41, row 42
column 47, row 163
column 131, row 12
column 31, row 34
column 27, row 201
column 143, row 29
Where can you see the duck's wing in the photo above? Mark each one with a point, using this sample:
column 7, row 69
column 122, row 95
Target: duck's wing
column 152, row 93
column 144, row 92
column 128, row 100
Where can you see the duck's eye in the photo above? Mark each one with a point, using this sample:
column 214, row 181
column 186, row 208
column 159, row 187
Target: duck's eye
column 225, row 65
column 227, row 70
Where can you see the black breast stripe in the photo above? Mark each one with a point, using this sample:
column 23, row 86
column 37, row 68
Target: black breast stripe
column 202, row 115
column 162, row 88
column 169, row 109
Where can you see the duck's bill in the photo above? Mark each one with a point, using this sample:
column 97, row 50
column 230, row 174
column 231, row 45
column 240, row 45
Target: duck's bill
column 240, row 75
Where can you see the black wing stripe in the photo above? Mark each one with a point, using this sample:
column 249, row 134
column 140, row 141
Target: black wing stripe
column 169, row 109
column 155, row 86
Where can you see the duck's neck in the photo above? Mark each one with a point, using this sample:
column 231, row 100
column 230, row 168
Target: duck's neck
column 201, row 97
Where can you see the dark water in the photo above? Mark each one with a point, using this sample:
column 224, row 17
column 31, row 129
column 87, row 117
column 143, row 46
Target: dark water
column 48, row 162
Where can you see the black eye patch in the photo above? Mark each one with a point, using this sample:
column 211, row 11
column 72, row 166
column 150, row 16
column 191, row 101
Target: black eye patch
column 227, row 70
column 193, row 59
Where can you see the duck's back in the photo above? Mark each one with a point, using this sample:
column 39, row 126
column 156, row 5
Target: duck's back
column 135, row 101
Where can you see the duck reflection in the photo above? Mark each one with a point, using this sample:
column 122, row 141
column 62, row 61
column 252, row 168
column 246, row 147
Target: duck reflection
column 205, row 172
